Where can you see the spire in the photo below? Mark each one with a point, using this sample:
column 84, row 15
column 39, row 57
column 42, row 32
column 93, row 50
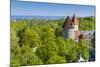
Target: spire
column 67, row 22
column 74, row 19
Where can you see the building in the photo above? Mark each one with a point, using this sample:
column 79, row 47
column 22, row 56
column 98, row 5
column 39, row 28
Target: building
column 70, row 28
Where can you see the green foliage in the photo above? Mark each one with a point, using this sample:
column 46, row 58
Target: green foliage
column 62, row 46
column 15, row 63
column 73, row 48
column 84, row 48
column 46, row 51
column 30, row 37
column 28, row 57
column 87, row 23
column 15, row 55
column 56, row 59
column 39, row 41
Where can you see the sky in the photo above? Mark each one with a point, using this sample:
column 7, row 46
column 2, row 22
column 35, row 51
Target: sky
column 21, row 8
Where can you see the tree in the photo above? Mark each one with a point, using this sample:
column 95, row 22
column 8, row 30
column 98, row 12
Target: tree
column 62, row 46
column 56, row 59
column 72, row 47
column 48, row 35
column 84, row 49
column 46, row 51
column 15, row 50
column 31, row 38
column 45, row 35
column 28, row 57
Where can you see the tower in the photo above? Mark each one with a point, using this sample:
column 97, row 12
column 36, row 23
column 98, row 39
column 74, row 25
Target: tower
column 70, row 28
column 75, row 22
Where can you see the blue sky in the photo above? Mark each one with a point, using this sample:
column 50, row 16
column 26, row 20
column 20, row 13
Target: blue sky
column 21, row 8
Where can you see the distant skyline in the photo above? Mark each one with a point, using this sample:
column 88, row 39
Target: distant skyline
column 21, row 8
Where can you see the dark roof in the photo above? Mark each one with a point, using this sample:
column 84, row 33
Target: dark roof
column 73, row 18
column 69, row 21
column 66, row 21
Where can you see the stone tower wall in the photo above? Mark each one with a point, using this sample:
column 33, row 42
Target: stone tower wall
column 71, row 34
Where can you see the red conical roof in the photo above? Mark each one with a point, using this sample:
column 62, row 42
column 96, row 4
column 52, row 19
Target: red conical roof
column 67, row 22
column 75, row 20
